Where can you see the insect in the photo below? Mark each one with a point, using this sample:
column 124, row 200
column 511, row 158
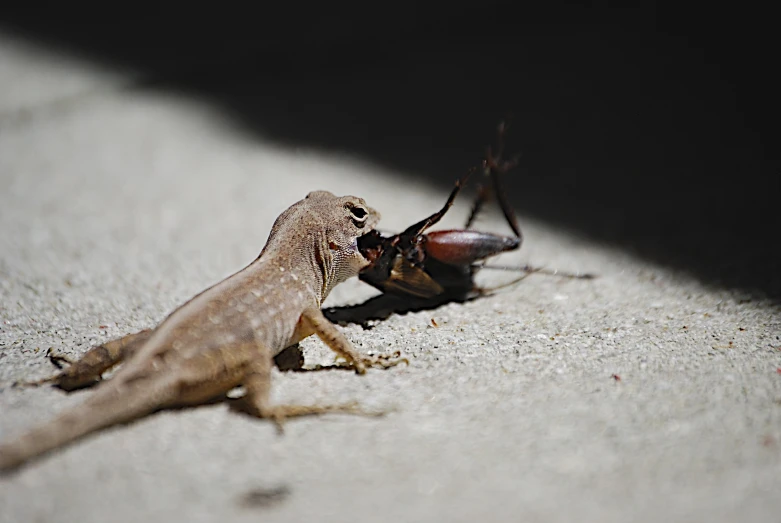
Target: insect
column 420, row 264
column 438, row 265
column 419, row 270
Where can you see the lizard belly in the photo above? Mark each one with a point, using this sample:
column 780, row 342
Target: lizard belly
column 275, row 318
column 275, row 327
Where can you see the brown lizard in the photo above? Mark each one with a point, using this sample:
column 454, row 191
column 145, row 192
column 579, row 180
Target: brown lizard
column 227, row 335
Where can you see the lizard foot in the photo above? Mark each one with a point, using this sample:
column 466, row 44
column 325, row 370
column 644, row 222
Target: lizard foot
column 278, row 414
column 384, row 361
column 36, row 383
column 57, row 360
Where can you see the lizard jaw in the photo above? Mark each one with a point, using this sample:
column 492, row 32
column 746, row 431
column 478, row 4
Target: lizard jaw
column 356, row 251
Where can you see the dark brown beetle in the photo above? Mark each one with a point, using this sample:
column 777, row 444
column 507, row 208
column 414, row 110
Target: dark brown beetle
column 419, row 270
column 438, row 265
column 441, row 265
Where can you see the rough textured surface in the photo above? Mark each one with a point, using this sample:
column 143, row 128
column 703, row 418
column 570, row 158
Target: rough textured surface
column 118, row 205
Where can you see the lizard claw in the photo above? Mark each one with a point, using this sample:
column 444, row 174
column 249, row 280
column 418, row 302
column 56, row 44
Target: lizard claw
column 58, row 359
column 279, row 423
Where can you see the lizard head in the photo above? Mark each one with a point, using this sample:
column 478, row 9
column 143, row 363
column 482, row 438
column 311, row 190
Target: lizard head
column 323, row 230
column 345, row 219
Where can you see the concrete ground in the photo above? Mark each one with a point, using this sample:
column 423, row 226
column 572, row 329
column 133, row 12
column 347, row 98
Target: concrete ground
column 642, row 395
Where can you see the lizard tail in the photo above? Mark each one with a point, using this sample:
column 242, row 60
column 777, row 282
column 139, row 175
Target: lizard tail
column 115, row 407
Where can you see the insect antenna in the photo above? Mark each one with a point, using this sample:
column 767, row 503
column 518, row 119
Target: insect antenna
column 529, row 269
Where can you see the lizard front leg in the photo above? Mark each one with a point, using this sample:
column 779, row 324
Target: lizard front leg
column 337, row 342
column 87, row 370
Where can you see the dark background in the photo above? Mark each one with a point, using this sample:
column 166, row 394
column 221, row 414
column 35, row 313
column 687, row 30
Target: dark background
column 651, row 128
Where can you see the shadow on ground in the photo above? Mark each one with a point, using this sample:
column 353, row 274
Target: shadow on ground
column 646, row 129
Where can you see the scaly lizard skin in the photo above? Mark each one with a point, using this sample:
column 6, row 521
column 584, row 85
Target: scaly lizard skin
column 225, row 336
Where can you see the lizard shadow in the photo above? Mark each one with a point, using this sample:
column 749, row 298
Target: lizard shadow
column 263, row 498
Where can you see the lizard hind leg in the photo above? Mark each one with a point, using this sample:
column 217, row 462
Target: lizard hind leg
column 87, row 370
column 256, row 402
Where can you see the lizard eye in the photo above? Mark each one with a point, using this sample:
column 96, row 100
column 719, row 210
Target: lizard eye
column 357, row 214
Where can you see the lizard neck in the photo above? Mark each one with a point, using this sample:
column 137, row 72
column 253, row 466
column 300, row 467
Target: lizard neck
column 321, row 264
column 310, row 268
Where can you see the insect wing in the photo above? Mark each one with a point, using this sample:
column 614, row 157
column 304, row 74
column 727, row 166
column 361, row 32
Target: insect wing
column 409, row 280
